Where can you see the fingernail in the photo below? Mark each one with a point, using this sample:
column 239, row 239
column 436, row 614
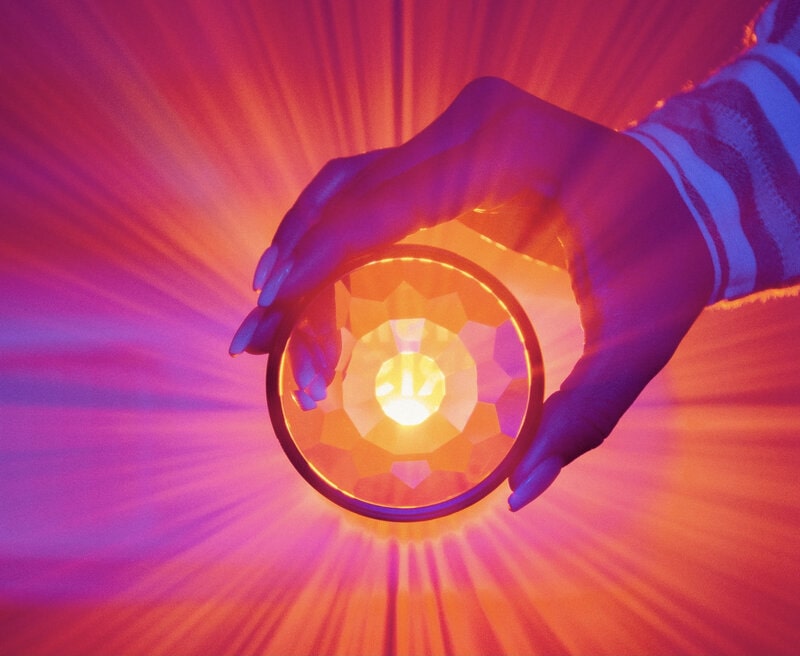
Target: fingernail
column 537, row 482
column 261, row 342
column 303, row 366
column 304, row 400
column 273, row 285
column 317, row 389
column 264, row 266
column 245, row 332
column 317, row 356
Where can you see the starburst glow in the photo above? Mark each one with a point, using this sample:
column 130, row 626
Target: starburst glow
column 149, row 150
column 409, row 388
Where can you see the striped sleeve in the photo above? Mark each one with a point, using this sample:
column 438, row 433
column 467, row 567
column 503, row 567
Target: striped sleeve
column 732, row 147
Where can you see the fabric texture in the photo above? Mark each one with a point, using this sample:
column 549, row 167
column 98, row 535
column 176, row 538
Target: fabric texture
column 732, row 147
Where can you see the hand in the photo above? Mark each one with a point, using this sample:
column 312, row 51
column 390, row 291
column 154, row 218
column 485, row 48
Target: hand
column 639, row 266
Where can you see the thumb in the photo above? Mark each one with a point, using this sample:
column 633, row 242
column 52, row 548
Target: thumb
column 579, row 416
column 641, row 274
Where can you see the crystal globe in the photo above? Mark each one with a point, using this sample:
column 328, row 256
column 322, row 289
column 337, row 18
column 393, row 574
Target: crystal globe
column 435, row 393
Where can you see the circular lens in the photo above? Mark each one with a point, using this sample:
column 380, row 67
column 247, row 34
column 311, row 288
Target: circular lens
column 408, row 387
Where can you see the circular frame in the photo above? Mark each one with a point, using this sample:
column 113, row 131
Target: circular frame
column 524, row 436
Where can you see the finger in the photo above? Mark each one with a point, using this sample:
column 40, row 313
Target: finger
column 244, row 333
column 433, row 178
column 274, row 282
column 304, row 400
column 618, row 362
column 364, row 196
column 336, row 174
column 321, row 329
column 491, row 167
column 310, row 369
column 540, row 478
column 276, row 260
column 573, row 423
column 265, row 266
column 642, row 275
column 308, row 360
column 257, row 331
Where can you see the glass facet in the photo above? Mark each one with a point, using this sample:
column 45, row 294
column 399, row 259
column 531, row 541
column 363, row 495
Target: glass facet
column 436, row 391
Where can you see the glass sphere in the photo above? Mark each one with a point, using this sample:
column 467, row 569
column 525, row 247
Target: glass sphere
column 434, row 387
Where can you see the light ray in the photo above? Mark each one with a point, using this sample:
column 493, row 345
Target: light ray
column 149, row 151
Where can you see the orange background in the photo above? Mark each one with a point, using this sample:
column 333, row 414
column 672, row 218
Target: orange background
column 148, row 153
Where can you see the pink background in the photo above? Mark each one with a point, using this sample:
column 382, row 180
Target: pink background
column 148, row 152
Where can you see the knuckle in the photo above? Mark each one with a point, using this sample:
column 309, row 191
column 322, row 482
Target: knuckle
column 586, row 419
column 335, row 167
column 490, row 90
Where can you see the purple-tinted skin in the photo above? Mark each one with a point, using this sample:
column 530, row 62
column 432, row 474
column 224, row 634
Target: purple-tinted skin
column 640, row 268
column 307, row 360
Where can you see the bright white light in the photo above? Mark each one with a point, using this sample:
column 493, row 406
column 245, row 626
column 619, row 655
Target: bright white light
column 409, row 388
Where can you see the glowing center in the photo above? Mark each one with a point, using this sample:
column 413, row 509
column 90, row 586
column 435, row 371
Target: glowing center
column 409, row 388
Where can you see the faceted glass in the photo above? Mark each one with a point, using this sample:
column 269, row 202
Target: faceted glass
column 437, row 373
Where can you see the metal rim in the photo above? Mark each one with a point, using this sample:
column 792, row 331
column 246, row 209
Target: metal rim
column 524, row 436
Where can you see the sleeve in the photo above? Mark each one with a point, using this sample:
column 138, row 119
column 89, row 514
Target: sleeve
column 732, row 148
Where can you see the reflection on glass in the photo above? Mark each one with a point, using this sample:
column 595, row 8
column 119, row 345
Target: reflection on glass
column 435, row 378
